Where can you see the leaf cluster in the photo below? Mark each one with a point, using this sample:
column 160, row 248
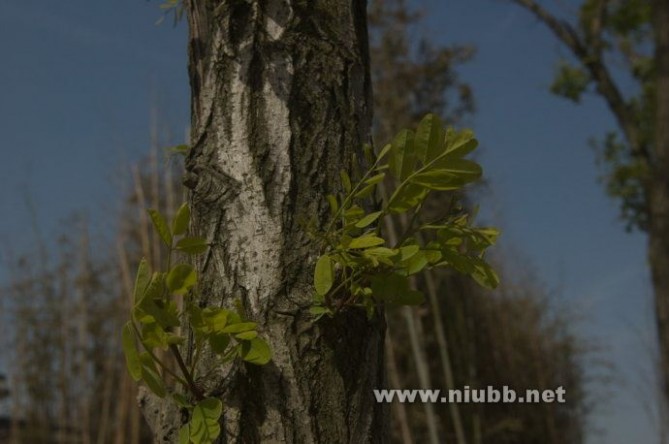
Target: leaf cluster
column 359, row 265
column 156, row 320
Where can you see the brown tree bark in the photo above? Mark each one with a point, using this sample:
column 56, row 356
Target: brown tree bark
column 658, row 189
column 281, row 100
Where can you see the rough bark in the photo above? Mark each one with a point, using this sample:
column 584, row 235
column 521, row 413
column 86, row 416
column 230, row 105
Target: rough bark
column 658, row 199
column 280, row 102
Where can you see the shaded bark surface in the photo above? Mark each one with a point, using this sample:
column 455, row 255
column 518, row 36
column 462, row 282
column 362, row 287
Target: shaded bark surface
column 280, row 102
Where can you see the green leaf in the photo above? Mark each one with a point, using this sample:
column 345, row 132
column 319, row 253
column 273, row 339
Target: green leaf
column 354, row 213
column 216, row 318
column 489, row 234
column 407, row 251
column 394, row 289
column 381, row 251
column 181, row 278
column 407, row 197
column 345, row 181
column 368, row 219
column 459, row 144
column 365, row 241
column 163, row 313
column 416, row 263
column 161, row 226
column 181, row 220
column 334, row 205
column 154, row 336
column 142, row 280
column 155, row 288
column 318, row 311
column 130, row 351
column 219, row 342
column 181, row 400
column 464, row 169
column 153, row 381
column 403, row 158
column 570, row 82
column 375, row 179
column 442, row 180
column 239, row 327
column 184, row 434
column 256, row 351
column 365, row 191
column 204, row 424
column 247, row 335
column 386, row 149
column 429, row 138
column 484, row 275
column 432, row 252
column 323, row 275
column 179, row 149
column 192, row 245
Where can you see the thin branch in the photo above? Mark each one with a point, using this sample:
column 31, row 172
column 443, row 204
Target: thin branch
column 592, row 60
column 595, row 28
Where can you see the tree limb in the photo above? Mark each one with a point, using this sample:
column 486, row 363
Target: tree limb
column 592, row 60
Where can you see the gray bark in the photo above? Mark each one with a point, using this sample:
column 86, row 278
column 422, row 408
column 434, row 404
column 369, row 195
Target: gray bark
column 280, row 102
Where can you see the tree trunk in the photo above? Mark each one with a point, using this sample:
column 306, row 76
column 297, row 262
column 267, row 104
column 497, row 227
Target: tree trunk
column 281, row 100
column 658, row 233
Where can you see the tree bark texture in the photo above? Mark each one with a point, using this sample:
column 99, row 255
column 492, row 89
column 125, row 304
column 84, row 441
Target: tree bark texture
column 281, row 100
column 658, row 189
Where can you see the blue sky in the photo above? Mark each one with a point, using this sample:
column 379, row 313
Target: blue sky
column 79, row 78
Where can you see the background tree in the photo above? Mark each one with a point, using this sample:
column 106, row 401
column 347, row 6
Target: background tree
column 636, row 157
column 454, row 340
column 64, row 306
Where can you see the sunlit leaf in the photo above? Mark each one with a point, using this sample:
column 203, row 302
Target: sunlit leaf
column 407, row 197
column 402, row 159
column 181, row 278
column 256, row 351
column 368, row 219
column 323, row 275
column 345, row 181
column 161, row 227
column 130, row 351
column 334, row 205
column 181, row 220
column 142, row 280
column 153, row 380
column 429, row 139
column 247, row 335
column 184, row 434
column 459, row 144
column 204, row 423
column 239, row 327
column 365, row 241
column 192, row 245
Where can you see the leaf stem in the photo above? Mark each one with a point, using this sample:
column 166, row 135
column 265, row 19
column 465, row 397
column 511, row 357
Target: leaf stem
column 189, row 379
column 162, row 365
